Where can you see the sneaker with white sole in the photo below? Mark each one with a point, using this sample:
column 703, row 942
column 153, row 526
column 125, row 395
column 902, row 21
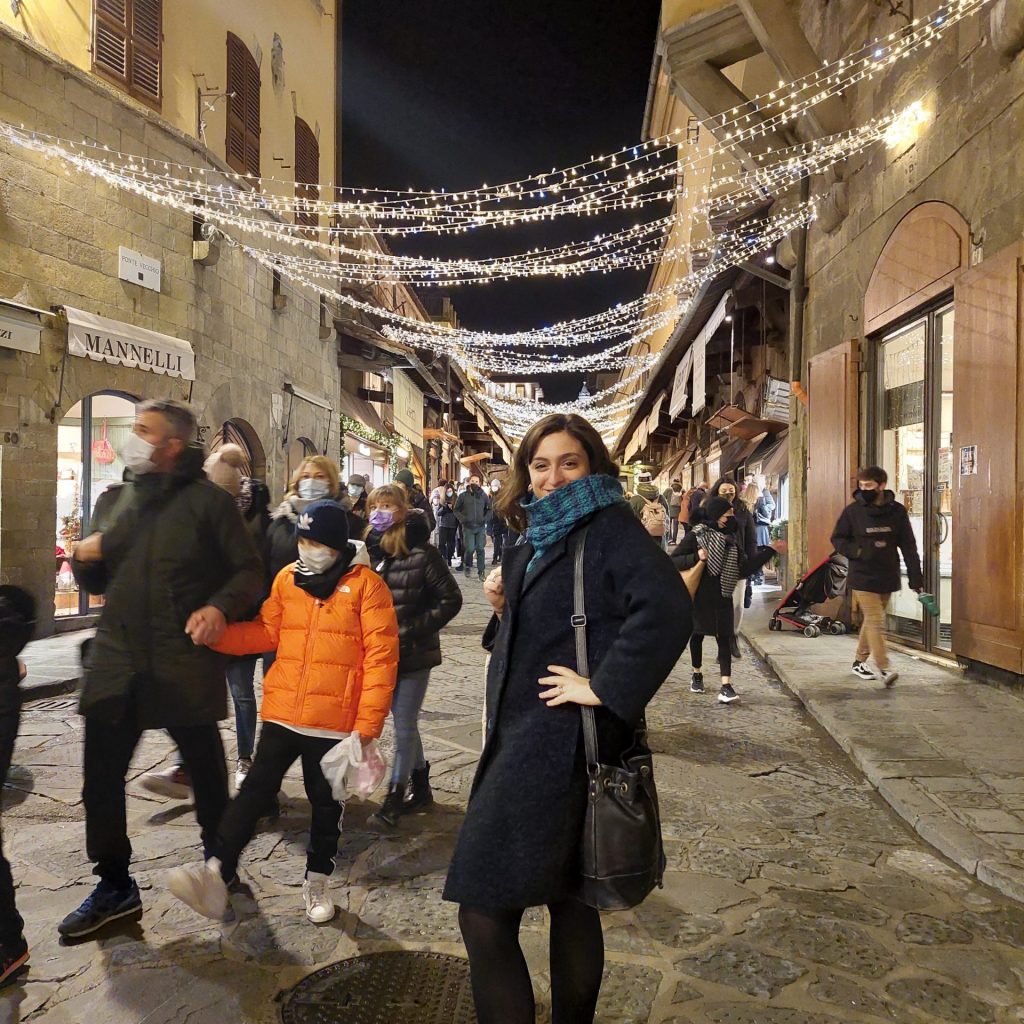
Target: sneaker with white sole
column 697, row 682
column 862, row 671
column 174, row 782
column 241, row 771
column 201, row 887
column 727, row 694
column 319, row 906
column 888, row 678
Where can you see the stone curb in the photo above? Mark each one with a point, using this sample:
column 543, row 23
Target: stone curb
column 49, row 688
column 933, row 823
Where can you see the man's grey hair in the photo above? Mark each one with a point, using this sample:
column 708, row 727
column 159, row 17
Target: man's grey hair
column 179, row 417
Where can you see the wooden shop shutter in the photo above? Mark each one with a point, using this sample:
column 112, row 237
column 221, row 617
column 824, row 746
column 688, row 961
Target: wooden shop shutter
column 127, row 46
column 243, row 139
column 307, row 172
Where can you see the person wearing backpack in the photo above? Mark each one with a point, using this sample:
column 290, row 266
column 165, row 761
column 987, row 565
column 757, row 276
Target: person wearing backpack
column 651, row 508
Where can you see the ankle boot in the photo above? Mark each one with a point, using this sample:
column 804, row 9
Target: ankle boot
column 392, row 808
column 420, row 794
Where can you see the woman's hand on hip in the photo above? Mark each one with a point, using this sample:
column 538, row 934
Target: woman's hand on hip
column 567, row 687
column 494, row 591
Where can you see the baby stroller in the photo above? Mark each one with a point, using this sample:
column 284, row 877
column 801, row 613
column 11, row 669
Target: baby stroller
column 825, row 581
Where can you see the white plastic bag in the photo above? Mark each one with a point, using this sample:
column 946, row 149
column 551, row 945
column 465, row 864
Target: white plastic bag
column 352, row 769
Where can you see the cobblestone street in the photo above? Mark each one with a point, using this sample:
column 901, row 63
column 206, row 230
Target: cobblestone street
column 794, row 895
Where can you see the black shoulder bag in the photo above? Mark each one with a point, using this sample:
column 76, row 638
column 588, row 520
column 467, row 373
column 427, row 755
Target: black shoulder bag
column 623, row 858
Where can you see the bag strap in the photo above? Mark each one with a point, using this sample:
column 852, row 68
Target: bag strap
column 579, row 624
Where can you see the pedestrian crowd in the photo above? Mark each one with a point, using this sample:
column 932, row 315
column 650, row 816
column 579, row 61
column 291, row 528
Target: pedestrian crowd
column 341, row 591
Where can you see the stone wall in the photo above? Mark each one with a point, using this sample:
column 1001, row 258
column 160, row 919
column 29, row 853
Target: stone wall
column 59, row 235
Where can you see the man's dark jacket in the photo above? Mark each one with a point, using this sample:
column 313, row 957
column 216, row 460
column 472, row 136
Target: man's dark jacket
column 871, row 537
column 471, row 508
column 172, row 543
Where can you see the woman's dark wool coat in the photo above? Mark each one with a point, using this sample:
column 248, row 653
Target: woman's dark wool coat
column 520, row 843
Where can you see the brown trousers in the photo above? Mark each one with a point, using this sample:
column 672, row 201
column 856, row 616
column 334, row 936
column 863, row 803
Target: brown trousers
column 872, row 630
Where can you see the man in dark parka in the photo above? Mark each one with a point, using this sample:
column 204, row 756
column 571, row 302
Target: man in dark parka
column 175, row 563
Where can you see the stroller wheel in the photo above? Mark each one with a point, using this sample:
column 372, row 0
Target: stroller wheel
column 774, row 624
column 811, row 631
column 837, row 628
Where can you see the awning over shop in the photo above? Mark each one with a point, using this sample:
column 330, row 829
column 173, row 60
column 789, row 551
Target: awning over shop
column 357, row 409
column 468, row 460
column 20, row 326
column 438, row 434
column 751, row 426
column 110, row 341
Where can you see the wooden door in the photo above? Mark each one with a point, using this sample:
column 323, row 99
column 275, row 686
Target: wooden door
column 988, row 515
column 832, row 390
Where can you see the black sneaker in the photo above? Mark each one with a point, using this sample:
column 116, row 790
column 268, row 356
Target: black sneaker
column 861, row 671
column 734, row 649
column 697, row 682
column 727, row 694
column 105, row 903
column 12, row 962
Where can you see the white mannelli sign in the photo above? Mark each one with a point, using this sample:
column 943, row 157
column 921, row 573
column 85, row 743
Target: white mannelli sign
column 682, row 378
column 127, row 345
column 408, row 408
column 138, row 269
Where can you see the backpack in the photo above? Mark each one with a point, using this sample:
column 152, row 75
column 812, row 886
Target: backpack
column 654, row 517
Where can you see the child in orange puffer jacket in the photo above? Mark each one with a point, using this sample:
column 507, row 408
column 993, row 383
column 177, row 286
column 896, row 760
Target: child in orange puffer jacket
column 332, row 622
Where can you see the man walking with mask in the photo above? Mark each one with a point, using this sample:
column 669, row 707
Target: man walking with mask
column 175, row 563
column 471, row 510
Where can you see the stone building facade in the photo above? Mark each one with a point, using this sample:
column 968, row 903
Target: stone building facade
column 266, row 370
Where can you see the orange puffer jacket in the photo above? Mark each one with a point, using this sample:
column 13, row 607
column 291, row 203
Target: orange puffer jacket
column 337, row 660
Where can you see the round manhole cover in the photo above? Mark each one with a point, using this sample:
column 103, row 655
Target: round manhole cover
column 382, row 988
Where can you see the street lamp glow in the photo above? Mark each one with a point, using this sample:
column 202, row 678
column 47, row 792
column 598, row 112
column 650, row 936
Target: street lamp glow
column 906, row 126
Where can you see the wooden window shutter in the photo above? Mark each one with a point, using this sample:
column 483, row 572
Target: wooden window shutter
column 307, row 172
column 110, row 38
column 146, row 35
column 243, row 139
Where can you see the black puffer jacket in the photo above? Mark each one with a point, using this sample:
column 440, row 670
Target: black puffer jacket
column 871, row 537
column 172, row 543
column 746, row 527
column 425, row 593
column 17, row 624
column 282, row 543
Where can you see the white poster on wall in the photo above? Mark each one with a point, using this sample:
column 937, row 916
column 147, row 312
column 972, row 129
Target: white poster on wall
column 408, row 408
column 699, row 351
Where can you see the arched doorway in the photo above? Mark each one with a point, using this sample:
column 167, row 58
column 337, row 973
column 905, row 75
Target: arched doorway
column 89, row 440
column 299, row 449
column 909, row 316
column 237, row 431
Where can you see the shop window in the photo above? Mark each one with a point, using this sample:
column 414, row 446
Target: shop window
column 243, row 139
column 89, row 440
column 127, row 46
column 307, row 173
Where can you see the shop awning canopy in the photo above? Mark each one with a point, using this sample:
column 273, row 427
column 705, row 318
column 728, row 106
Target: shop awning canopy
column 750, row 427
column 357, row 409
column 467, row 460
column 111, row 341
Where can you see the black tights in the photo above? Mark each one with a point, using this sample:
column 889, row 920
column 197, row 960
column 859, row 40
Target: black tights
column 502, row 990
column 724, row 653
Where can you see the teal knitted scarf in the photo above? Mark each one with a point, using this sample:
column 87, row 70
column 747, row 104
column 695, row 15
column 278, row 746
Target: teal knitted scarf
column 555, row 516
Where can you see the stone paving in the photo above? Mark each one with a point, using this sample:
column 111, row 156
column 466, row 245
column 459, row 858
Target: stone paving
column 944, row 751
column 794, row 894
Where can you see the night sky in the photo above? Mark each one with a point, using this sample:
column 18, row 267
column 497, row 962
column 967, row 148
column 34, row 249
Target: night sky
column 454, row 93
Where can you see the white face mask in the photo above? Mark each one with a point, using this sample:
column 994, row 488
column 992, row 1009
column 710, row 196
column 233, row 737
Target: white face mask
column 137, row 455
column 317, row 560
column 310, row 488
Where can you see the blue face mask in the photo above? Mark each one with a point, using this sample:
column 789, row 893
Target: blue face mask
column 382, row 519
column 354, row 490
column 311, row 489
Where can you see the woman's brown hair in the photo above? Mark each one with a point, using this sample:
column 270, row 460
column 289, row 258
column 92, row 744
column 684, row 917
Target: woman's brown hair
column 392, row 542
column 508, row 503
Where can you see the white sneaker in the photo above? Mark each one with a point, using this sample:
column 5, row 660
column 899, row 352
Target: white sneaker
column 200, row 887
column 174, row 782
column 319, row 906
column 888, row 678
column 242, row 769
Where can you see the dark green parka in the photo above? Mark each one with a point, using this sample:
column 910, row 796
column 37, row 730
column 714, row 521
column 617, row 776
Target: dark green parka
column 172, row 543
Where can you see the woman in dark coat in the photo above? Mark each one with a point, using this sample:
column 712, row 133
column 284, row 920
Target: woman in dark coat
column 746, row 537
column 426, row 599
column 715, row 540
column 520, row 843
column 447, row 524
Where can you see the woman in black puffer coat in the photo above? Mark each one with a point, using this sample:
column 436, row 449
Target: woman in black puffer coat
column 746, row 537
column 426, row 599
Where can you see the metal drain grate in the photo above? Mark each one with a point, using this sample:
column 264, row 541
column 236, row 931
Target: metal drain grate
column 382, row 988
column 54, row 704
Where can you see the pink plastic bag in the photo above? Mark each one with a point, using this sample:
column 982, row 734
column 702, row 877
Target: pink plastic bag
column 352, row 769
